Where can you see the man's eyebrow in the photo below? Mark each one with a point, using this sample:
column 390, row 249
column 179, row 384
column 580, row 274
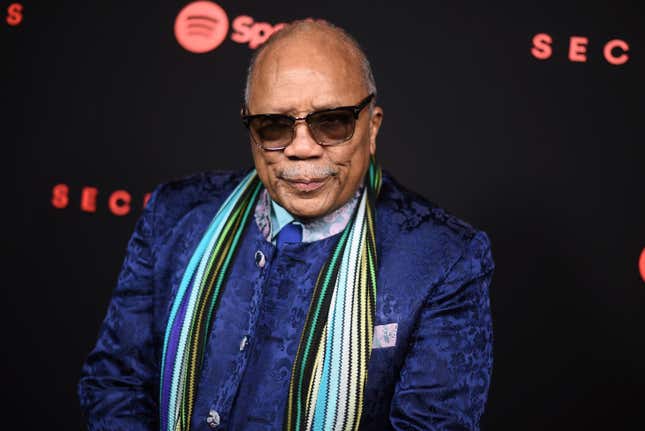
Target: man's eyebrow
column 328, row 105
column 324, row 106
column 290, row 110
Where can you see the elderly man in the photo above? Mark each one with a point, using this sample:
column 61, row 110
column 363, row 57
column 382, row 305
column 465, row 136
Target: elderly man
column 309, row 293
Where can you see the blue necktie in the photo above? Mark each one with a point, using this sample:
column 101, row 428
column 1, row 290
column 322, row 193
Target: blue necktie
column 289, row 233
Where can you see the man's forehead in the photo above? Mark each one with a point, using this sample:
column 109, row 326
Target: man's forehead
column 288, row 75
column 314, row 51
column 301, row 90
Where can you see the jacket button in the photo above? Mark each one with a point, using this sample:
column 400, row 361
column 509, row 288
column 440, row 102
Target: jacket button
column 245, row 339
column 213, row 419
column 260, row 259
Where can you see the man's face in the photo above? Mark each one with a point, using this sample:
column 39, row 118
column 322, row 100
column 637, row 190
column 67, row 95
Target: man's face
column 296, row 77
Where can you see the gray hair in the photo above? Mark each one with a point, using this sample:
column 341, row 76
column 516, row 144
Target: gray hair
column 308, row 25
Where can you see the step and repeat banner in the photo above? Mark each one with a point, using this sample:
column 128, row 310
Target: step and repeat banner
column 525, row 119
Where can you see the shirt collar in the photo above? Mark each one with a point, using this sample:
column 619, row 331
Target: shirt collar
column 271, row 217
column 280, row 217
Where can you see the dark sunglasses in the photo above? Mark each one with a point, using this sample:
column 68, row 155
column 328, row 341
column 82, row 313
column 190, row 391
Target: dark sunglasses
column 273, row 132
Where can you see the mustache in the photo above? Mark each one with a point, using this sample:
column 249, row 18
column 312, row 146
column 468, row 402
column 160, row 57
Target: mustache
column 300, row 172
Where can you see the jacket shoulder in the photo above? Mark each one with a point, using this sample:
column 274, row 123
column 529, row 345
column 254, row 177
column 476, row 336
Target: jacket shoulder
column 424, row 231
column 175, row 198
column 414, row 212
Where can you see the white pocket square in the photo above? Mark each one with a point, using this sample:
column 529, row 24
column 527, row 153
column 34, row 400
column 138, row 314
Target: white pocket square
column 385, row 336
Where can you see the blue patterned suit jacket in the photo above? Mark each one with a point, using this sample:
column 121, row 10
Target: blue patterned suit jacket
column 433, row 280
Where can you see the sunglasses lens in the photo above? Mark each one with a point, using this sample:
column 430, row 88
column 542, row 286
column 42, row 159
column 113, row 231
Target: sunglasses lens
column 275, row 131
column 272, row 132
column 332, row 127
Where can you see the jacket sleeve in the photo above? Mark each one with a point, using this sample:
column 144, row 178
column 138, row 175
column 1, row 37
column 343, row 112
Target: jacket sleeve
column 119, row 380
column 444, row 382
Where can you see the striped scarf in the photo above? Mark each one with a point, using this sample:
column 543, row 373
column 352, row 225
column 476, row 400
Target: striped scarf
column 330, row 369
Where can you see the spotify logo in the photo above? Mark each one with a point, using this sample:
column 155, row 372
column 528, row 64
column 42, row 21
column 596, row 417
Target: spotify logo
column 201, row 26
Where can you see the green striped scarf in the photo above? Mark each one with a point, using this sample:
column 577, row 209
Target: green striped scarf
column 330, row 369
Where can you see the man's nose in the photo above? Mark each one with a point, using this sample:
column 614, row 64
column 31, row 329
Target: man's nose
column 303, row 146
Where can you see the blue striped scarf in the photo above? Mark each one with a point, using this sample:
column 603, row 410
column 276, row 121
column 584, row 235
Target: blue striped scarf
column 330, row 369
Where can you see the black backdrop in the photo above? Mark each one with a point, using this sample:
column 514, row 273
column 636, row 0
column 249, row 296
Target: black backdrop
column 546, row 156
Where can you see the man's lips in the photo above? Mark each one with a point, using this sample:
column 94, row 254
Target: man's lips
column 306, row 184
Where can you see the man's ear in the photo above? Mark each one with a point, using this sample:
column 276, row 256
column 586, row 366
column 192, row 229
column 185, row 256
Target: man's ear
column 375, row 124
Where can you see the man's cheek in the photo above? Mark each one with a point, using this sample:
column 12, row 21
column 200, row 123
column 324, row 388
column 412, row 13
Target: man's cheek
column 341, row 159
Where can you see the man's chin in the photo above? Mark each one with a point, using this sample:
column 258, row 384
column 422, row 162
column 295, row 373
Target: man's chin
column 307, row 208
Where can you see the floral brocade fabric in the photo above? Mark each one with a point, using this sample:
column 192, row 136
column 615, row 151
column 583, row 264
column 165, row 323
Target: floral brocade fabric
column 431, row 362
